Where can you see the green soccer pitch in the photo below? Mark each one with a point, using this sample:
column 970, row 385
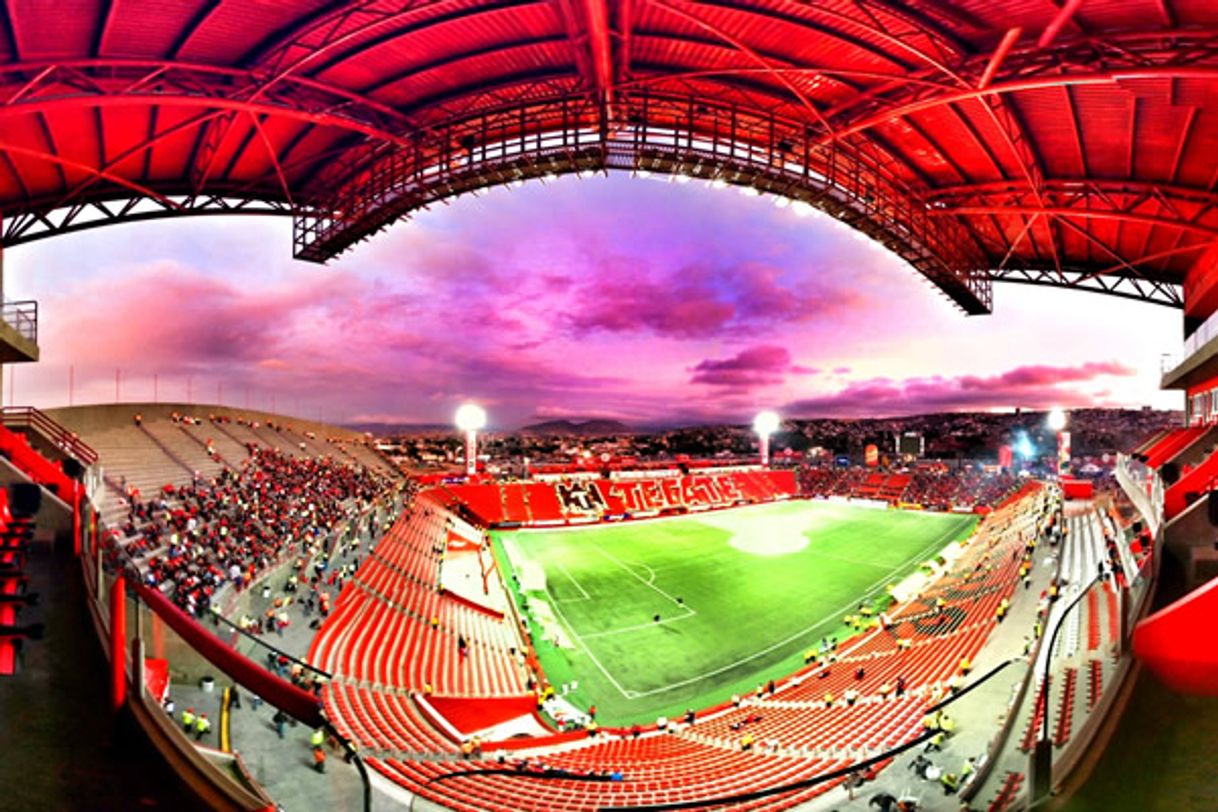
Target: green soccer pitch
column 741, row 595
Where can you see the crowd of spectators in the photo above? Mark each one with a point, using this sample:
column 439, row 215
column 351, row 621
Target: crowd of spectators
column 934, row 487
column 188, row 541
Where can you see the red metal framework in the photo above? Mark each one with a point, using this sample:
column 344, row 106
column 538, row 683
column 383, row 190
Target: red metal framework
column 1054, row 144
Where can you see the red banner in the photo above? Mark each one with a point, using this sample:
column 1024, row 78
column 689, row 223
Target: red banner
column 459, row 543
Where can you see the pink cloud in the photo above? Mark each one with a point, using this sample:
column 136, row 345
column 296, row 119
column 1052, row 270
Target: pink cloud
column 1049, row 375
column 1028, row 387
column 762, row 365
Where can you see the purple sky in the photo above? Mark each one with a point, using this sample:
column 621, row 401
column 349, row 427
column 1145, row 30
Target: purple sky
column 643, row 300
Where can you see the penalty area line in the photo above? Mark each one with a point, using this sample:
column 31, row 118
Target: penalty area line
column 584, row 647
column 641, row 579
column 571, row 578
column 639, row 626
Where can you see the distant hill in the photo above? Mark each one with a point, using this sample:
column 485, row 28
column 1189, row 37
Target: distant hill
column 587, row 428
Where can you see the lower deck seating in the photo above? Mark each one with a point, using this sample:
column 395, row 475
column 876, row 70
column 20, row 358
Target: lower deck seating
column 793, row 735
column 1007, row 794
column 652, row 770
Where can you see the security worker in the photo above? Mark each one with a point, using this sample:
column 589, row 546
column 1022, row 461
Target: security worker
column 317, row 739
column 950, row 783
column 188, row 720
column 202, row 727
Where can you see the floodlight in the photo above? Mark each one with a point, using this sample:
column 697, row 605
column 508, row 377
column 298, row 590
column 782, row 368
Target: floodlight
column 1057, row 418
column 766, row 423
column 471, row 417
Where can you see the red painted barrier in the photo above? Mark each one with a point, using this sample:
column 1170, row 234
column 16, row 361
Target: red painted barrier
column 295, row 702
column 1180, row 642
column 118, row 642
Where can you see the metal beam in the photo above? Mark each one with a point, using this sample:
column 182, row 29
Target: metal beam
column 26, row 228
column 1060, row 20
column 999, row 55
column 596, row 16
column 1141, row 290
column 1090, row 214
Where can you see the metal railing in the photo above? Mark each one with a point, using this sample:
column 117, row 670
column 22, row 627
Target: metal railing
column 22, row 316
column 69, row 442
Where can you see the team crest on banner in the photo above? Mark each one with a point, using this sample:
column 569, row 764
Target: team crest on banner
column 580, row 497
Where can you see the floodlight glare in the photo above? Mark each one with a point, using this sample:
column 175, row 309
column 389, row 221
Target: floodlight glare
column 766, row 423
column 1057, row 418
column 471, row 417
column 1024, row 447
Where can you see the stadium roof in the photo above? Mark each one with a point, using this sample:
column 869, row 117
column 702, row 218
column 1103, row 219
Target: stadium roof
column 1055, row 142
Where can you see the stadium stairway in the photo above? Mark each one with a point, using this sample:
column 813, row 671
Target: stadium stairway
column 182, row 448
column 229, row 450
column 211, row 451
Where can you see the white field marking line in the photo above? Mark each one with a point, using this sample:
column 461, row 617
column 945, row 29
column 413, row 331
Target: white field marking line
column 571, row 578
column 642, row 580
column 854, row 561
column 638, row 626
column 867, row 593
column 570, row 628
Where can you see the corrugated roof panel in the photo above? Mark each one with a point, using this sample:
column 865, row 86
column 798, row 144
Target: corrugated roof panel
column 1199, row 164
column 148, row 28
column 1045, row 112
column 172, row 153
column 1159, row 129
column 58, row 30
column 1104, row 115
column 235, row 27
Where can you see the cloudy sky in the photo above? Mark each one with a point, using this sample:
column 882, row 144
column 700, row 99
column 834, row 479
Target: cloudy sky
column 647, row 301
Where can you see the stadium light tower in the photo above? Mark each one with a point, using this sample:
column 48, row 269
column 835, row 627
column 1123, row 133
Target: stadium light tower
column 470, row 418
column 765, row 424
column 1057, row 422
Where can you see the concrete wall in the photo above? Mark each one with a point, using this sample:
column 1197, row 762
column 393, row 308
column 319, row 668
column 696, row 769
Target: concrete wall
column 100, row 417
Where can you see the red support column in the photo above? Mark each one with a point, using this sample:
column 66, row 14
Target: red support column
column 76, row 517
column 118, row 642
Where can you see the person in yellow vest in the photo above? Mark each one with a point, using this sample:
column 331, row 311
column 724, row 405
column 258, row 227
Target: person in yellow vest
column 950, row 783
column 202, row 727
column 317, row 738
column 966, row 665
column 946, row 723
column 188, row 720
column 828, row 699
column 746, row 742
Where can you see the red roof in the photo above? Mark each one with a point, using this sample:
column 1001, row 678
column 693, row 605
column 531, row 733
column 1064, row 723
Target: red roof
column 1054, row 143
